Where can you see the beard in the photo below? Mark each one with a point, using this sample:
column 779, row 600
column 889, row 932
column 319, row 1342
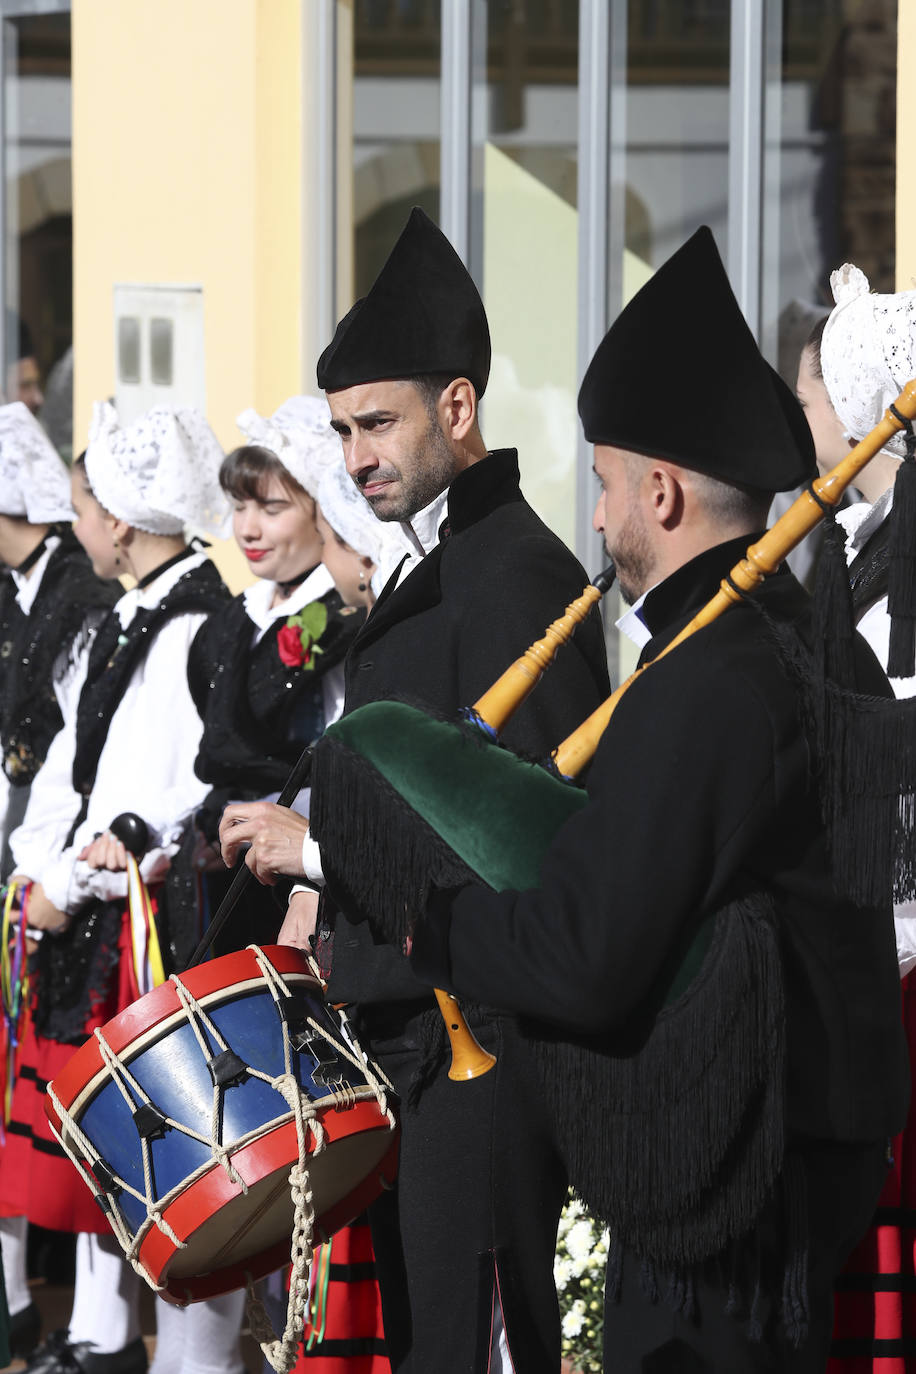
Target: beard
column 632, row 555
column 424, row 473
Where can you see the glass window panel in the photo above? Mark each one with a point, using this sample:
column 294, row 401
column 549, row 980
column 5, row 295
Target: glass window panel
column 38, row 233
column 129, row 349
column 672, row 153
column 669, row 145
column 525, row 133
column 830, row 160
column 160, row 351
column 396, row 92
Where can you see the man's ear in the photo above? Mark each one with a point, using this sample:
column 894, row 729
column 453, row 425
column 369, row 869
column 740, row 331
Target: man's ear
column 458, row 409
column 665, row 495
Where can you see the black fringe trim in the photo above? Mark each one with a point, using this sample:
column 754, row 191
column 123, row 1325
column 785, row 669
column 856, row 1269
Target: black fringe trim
column 678, row 1145
column 381, row 860
column 864, row 761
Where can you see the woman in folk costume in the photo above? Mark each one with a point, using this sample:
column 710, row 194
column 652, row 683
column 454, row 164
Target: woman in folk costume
column 130, row 749
column 343, row 1332
column 267, row 674
column 51, row 603
column 853, row 367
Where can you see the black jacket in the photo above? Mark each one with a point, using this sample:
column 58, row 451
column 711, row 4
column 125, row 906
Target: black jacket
column 701, row 791
column 490, row 588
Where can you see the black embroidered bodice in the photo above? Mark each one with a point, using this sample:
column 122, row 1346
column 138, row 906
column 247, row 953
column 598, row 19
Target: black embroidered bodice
column 76, row 967
column 258, row 713
column 868, row 571
column 36, row 648
column 117, row 653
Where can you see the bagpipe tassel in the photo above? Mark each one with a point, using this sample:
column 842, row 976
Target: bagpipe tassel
column 901, row 593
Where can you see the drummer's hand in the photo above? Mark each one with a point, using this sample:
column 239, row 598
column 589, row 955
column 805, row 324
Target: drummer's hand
column 300, row 921
column 42, row 914
column 274, row 833
column 104, row 852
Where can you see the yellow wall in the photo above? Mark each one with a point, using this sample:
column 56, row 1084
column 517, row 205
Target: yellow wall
column 186, row 145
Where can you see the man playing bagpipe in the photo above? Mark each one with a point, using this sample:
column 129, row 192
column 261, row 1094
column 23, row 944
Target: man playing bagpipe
column 726, row 1053
column 465, row 1243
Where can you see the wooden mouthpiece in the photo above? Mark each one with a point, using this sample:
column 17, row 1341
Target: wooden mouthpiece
column 498, row 704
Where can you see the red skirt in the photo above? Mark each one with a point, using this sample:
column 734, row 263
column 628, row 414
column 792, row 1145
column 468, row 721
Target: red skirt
column 37, row 1179
column 343, row 1331
column 874, row 1327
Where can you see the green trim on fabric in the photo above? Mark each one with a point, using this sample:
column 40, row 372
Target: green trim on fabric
column 496, row 812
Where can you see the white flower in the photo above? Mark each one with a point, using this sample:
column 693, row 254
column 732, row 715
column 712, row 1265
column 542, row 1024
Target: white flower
column 562, row 1272
column 581, row 1239
column 574, row 1320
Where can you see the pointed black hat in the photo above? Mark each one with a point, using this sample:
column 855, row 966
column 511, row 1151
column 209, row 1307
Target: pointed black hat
column 423, row 314
column 679, row 376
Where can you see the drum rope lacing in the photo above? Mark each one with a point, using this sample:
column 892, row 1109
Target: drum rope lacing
column 280, row 1352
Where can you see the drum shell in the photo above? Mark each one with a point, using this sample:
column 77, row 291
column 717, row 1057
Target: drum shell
column 226, row 1236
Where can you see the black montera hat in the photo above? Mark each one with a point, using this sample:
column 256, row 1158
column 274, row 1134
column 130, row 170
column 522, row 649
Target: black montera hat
column 679, row 376
column 423, row 315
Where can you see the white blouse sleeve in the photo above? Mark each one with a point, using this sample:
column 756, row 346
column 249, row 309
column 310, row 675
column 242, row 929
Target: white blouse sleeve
column 146, row 766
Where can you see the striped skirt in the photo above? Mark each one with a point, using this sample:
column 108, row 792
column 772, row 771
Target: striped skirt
column 343, row 1330
column 874, row 1329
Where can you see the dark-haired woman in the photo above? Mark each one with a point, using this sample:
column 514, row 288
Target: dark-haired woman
column 130, row 747
column 278, row 650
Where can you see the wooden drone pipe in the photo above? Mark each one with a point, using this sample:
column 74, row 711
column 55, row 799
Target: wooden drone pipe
column 491, row 712
column 469, row 1058
column 500, row 701
column 761, row 559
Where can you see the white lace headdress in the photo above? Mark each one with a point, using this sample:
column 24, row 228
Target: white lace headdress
column 299, row 434
column 160, row 474
column 868, row 352
column 348, row 512
column 34, row 481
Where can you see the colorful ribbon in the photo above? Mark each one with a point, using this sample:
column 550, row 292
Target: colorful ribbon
column 318, row 1310
column 148, row 969
column 14, row 989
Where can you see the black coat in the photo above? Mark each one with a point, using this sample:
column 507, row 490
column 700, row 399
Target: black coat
column 490, row 588
column 700, row 791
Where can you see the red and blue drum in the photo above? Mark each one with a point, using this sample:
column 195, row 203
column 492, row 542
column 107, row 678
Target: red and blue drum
column 187, row 1111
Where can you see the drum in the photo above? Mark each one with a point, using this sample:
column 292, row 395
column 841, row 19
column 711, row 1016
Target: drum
column 187, row 1112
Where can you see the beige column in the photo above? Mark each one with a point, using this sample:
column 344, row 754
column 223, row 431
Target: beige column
column 906, row 147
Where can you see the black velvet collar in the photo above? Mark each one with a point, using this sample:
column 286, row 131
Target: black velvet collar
column 479, row 489
column 691, row 586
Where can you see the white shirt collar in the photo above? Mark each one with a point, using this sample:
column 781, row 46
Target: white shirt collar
column 861, row 520
column 258, row 597
column 147, row 597
column 423, row 528
column 27, row 584
column 631, row 623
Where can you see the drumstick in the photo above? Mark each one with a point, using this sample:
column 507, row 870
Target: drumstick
column 243, row 874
